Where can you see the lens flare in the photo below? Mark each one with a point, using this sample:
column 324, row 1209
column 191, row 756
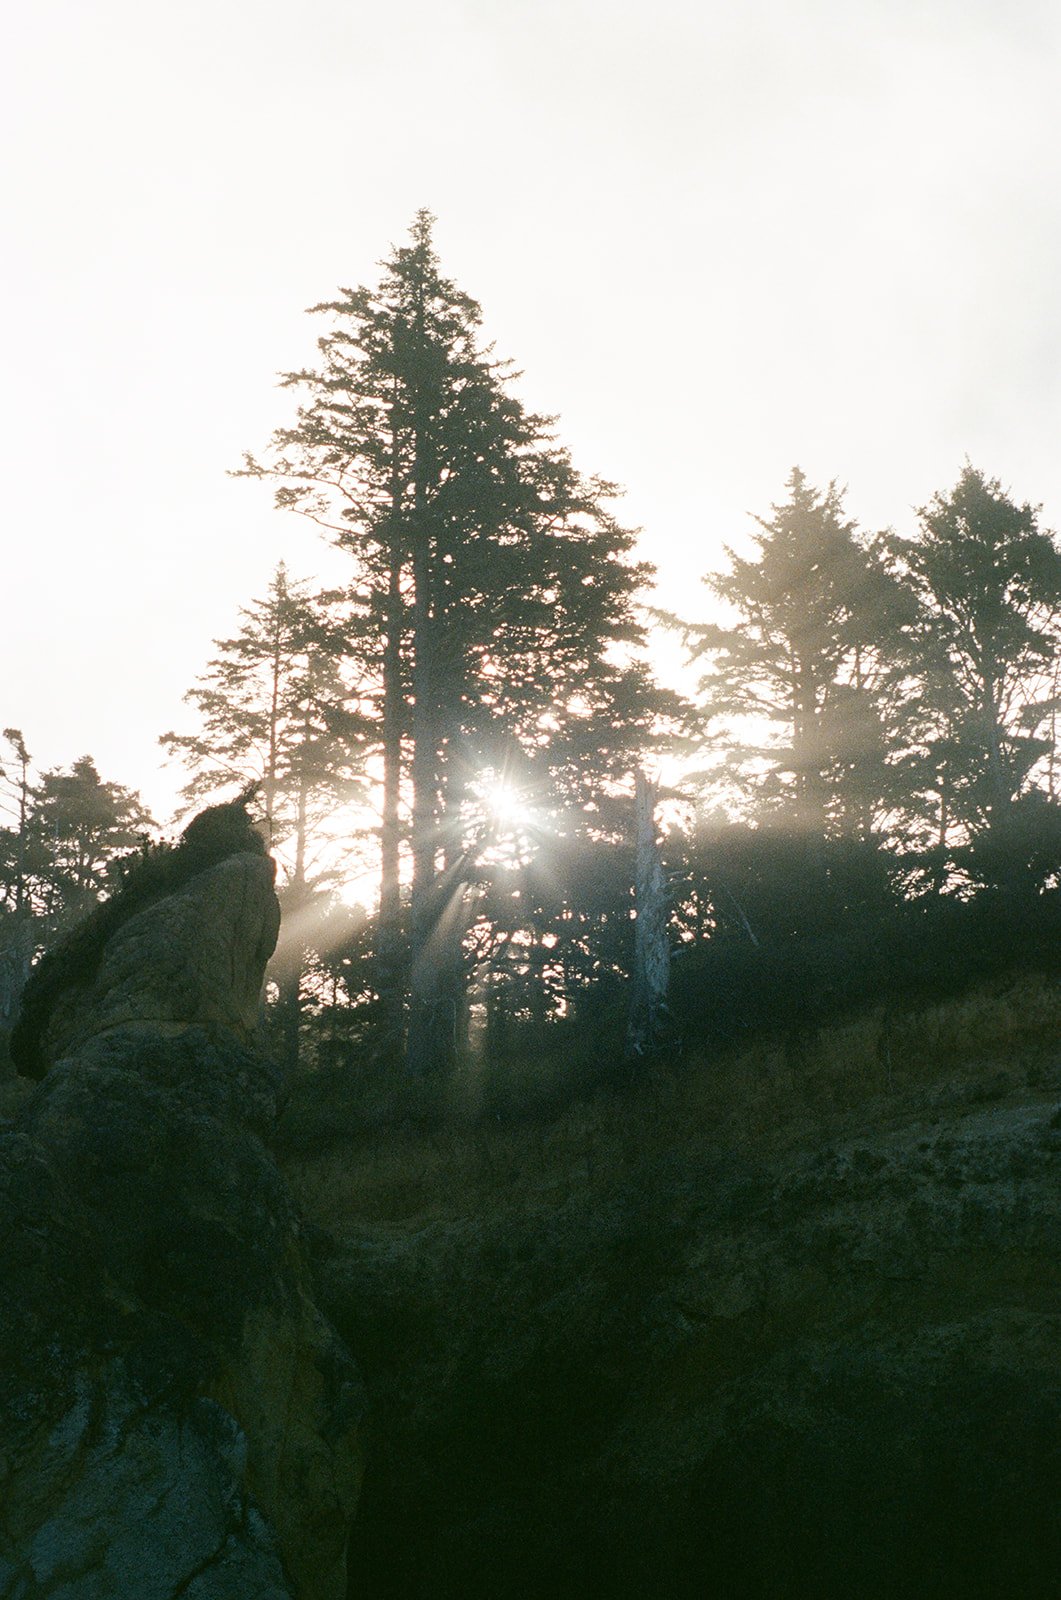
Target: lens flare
column 505, row 804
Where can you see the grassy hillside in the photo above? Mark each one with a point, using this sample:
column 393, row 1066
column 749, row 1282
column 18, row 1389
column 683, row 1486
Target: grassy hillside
column 781, row 1323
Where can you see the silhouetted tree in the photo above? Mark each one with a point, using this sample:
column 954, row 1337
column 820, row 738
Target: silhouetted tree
column 988, row 581
column 803, row 678
column 497, row 588
column 78, row 826
column 275, row 704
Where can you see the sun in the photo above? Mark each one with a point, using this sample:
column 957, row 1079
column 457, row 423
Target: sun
column 507, row 819
column 505, row 805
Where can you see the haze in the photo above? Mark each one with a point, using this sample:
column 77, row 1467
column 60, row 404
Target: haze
column 717, row 241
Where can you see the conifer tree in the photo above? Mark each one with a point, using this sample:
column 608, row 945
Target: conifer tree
column 803, row 679
column 275, row 705
column 988, row 582
column 497, row 588
column 75, row 828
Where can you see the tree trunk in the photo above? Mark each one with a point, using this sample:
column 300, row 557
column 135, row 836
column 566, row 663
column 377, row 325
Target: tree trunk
column 651, row 976
column 427, row 1048
column 292, row 964
column 23, row 822
column 389, row 942
column 810, row 786
column 272, row 759
column 423, row 997
column 940, row 875
column 436, row 981
column 996, row 764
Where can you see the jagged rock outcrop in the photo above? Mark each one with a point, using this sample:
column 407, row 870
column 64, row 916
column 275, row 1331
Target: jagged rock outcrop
column 197, row 957
column 176, row 1416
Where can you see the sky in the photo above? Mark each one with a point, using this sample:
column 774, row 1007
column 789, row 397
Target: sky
column 718, row 240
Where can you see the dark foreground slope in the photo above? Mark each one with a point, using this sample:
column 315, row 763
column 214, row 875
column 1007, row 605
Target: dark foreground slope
column 786, row 1325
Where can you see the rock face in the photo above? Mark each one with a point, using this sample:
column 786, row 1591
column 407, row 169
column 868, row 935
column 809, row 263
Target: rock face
column 177, row 1417
column 195, row 957
column 634, row 1355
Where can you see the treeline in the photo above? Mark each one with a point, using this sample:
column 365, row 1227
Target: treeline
column 64, row 836
column 451, row 738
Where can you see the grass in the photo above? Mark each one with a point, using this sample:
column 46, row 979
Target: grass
column 697, row 1323
column 385, row 1157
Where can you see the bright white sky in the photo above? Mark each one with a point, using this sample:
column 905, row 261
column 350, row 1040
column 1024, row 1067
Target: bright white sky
column 718, row 238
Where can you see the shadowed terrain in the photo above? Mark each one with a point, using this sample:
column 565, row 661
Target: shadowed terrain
column 176, row 1416
column 785, row 1324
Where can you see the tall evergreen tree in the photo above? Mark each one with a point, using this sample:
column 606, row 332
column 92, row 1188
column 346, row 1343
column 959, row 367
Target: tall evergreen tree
column 802, row 677
column 71, row 829
column 498, row 587
column 275, row 705
column 988, row 580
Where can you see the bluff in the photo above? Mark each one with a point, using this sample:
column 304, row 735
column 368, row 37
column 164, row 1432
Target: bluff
column 778, row 1325
column 177, row 1418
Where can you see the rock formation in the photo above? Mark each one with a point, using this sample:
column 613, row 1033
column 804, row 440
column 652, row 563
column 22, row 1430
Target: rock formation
column 176, row 1417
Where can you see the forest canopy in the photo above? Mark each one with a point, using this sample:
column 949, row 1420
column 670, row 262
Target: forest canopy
column 867, row 800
